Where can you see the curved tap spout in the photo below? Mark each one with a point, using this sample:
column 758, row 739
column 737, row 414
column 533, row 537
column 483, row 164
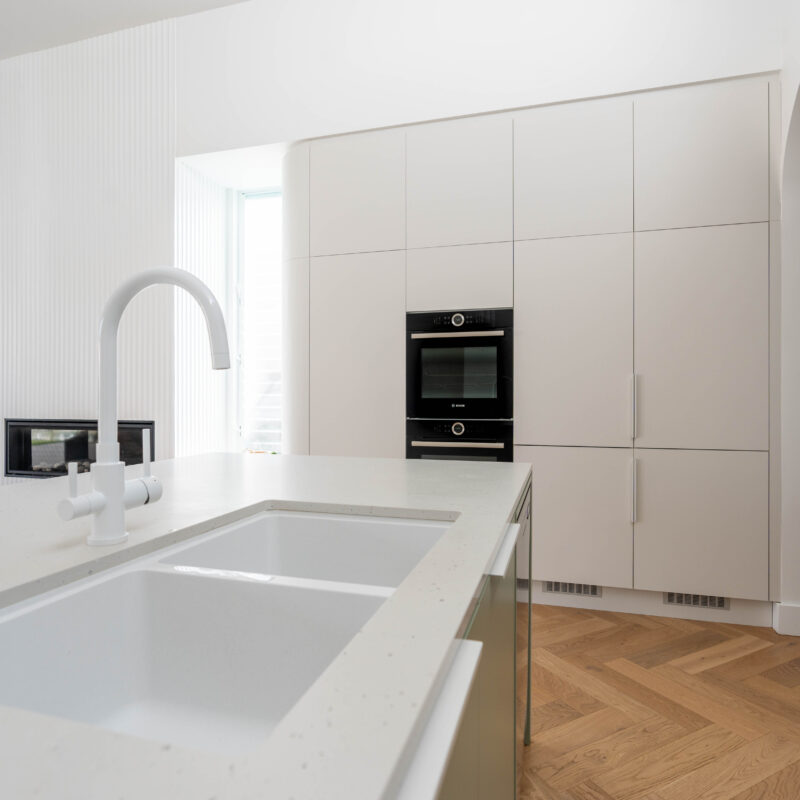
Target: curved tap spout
column 111, row 493
column 107, row 445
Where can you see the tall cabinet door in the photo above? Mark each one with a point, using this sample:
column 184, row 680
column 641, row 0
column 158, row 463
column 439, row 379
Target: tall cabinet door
column 573, row 354
column 357, row 371
column 581, row 514
column 702, row 338
column 701, row 523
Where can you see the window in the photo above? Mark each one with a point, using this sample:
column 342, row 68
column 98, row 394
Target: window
column 259, row 322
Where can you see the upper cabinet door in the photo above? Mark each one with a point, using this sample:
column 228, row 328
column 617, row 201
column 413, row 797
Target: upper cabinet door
column 465, row 276
column 358, row 355
column 459, row 182
column 357, row 201
column 573, row 341
column 573, row 169
column 702, row 337
column 702, row 156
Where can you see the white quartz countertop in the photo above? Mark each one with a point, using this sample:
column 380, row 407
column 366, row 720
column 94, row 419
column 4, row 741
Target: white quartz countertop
column 352, row 732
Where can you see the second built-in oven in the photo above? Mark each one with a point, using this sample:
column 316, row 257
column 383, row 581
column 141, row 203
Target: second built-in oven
column 459, row 364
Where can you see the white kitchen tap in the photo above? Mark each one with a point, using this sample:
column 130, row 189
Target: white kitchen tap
column 112, row 494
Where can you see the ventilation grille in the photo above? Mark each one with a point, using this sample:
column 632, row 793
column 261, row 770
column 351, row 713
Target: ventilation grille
column 584, row 589
column 696, row 600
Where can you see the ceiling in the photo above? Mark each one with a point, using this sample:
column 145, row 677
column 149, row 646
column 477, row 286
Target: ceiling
column 29, row 25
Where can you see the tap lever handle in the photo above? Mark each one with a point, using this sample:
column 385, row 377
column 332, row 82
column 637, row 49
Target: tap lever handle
column 146, row 451
column 72, row 473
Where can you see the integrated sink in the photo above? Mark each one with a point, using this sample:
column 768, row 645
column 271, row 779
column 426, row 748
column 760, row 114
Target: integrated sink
column 208, row 644
column 201, row 662
column 378, row 551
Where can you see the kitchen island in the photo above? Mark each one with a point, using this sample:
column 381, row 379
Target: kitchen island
column 352, row 734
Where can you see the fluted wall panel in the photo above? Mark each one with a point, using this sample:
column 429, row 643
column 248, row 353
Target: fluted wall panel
column 201, row 247
column 87, row 144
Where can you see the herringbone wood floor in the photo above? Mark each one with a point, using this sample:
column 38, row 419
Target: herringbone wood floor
column 630, row 707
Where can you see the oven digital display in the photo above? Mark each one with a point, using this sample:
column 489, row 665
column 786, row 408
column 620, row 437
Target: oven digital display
column 459, row 372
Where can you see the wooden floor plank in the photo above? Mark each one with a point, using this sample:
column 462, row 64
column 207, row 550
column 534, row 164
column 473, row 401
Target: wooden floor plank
column 552, row 743
column 562, row 632
column 720, row 654
column 781, row 785
column 787, row 674
column 592, row 685
column 660, row 703
column 722, row 714
column 558, row 688
column 660, row 767
column 760, row 661
column 729, row 775
column 675, row 648
column 653, row 708
column 552, row 715
column 585, row 763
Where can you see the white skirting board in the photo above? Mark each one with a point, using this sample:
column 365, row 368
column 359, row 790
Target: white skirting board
column 633, row 601
column 786, row 618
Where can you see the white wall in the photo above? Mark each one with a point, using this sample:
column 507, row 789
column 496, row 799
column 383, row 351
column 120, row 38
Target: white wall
column 282, row 70
column 788, row 612
column 790, row 368
column 790, row 75
column 87, row 142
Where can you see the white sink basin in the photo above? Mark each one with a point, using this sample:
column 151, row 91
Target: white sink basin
column 378, row 551
column 204, row 662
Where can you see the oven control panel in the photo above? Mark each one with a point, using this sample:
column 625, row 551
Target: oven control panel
column 467, row 319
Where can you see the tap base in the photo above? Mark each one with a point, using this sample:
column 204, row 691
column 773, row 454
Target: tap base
column 100, row 541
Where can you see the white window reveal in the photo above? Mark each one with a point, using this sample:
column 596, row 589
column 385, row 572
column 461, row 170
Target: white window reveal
column 259, row 322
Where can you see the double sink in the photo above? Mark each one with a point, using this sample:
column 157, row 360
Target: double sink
column 209, row 643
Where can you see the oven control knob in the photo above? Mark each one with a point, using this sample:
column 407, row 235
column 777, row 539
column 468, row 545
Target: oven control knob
column 457, row 428
column 457, row 320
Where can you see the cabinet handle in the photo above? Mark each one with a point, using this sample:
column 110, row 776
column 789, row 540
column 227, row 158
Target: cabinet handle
column 634, row 408
column 500, row 565
column 634, row 488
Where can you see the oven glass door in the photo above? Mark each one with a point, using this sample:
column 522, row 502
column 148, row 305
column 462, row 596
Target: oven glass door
column 464, row 375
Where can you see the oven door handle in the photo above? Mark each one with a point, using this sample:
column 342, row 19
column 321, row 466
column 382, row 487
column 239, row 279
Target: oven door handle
column 480, row 445
column 457, row 334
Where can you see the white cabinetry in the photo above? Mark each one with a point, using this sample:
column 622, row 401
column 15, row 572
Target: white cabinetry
column 465, row 276
column 573, row 341
column 358, row 355
column 573, row 169
column 702, row 155
column 294, row 196
column 581, row 514
column 358, row 193
column 702, row 338
column 459, row 177
column 702, row 523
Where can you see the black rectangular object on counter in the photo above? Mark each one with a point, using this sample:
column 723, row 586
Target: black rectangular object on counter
column 42, row 448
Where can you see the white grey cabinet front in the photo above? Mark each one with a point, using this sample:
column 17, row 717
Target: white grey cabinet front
column 701, row 155
column 702, row 338
column 701, row 523
column 357, row 360
column 581, row 512
column 459, row 182
column 573, row 171
column 573, row 341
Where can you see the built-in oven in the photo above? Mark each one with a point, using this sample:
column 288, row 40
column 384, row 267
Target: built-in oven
column 459, row 365
column 460, row 440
